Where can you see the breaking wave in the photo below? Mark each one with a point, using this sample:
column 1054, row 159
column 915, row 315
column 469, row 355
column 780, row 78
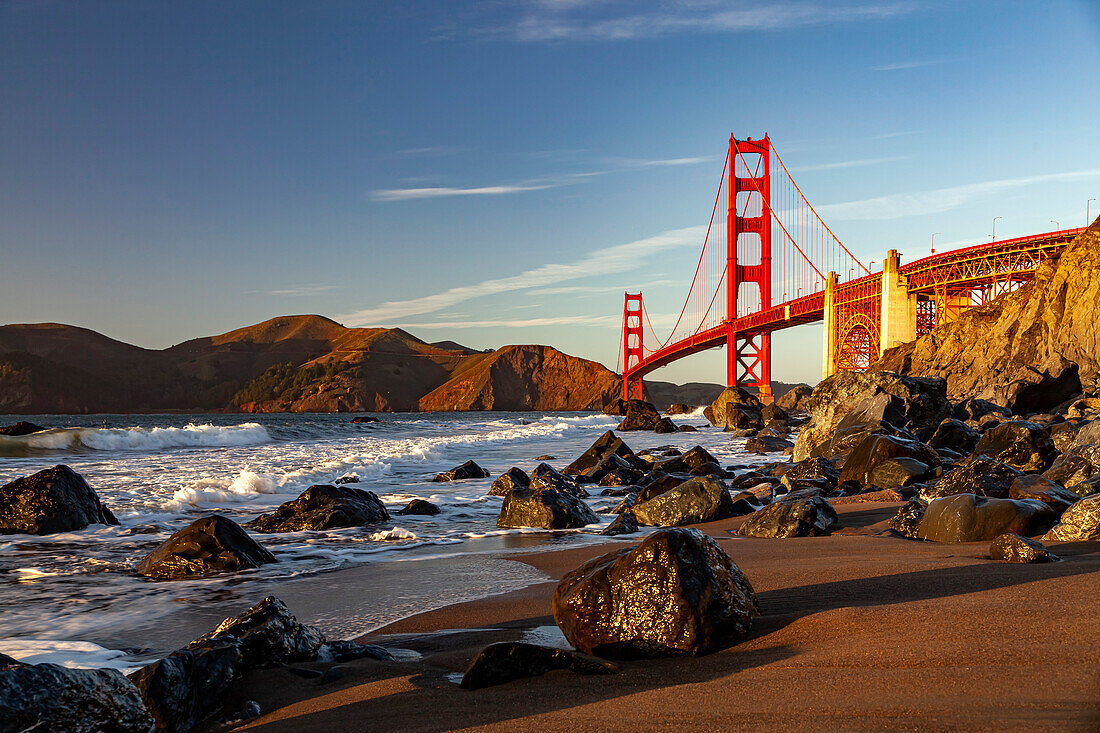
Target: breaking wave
column 74, row 440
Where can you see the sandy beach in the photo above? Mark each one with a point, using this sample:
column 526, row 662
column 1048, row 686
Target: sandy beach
column 860, row 630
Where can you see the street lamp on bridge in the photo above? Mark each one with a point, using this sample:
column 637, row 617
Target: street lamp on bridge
column 934, row 241
column 995, row 227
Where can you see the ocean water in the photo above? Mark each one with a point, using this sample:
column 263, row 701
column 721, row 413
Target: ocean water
column 61, row 594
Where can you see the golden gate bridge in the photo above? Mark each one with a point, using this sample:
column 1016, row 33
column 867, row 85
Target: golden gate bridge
column 776, row 264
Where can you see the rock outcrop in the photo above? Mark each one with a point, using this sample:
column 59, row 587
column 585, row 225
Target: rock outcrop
column 545, row 508
column 49, row 697
column 323, row 507
column 1029, row 350
column 57, row 499
column 212, row 544
column 675, row 593
column 513, row 660
column 21, row 428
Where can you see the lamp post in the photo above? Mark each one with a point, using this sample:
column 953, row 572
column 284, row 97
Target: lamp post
column 1087, row 221
column 934, row 241
column 1057, row 226
column 995, row 227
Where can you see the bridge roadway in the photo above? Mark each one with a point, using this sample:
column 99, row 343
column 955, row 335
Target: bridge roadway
column 982, row 265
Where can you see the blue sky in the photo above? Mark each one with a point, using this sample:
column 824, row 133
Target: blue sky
column 500, row 172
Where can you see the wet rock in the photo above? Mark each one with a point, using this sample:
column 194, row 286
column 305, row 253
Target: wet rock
column 871, row 496
column 1086, row 488
column 615, row 407
column 796, row 399
column 640, row 415
column 697, row 457
column 57, row 499
column 544, row 508
column 973, row 518
column 212, row 544
column 956, row 435
column 621, row 477
column 1078, row 523
column 344, row 650
column 767, row 444
column 661, row 483
column 544, row 477
column 606, row 445
column 1039, row 488
column 774, row 413
column 740, row 419
column 513, row 660
column 665, row 426
column 467, row 470
column 907, row 521
column 701, row 499
column 349, row 479
column 1014, row 548
column 1078, row 464
column 679, row 408
column 675, row 593
column 688, row 429
column 1063, row 435
column 875, row 449
column 808, row 517
column 21, row 428
column 1020, row 444
column 267, row 635
column 625, row 523
column 849, row 398
column 513, row 478
column 814, row 468
column 975, row 409
column 735, row 407
column 48, row 697
column 980, row 475
column 848, row 437
column 745, row 502
column 707, row 469
column 895, row 473
column 323, row 507
column 363, row 419
column 419, row 506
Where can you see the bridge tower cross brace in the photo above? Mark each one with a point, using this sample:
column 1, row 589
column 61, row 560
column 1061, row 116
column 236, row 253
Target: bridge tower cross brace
column 748, row 355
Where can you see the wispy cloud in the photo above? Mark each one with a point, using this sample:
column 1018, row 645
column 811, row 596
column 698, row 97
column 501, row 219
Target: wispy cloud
column 567, row 289
column 435, row 192
column 907, row 65
column 850, row 163
column 620, row 258
column 431, row 151
column 896, row 206
column 618, row 20
column 299, row 290
column 602, row 321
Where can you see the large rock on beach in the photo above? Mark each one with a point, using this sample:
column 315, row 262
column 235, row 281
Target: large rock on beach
column 876, row 449
column 1039, row 488
column 676, row 593
column 467, row 470
column 545, row 478
column 55, row 500
column 1081, row 522
column 1016, row 549
column 796, row 399
column 513, row 660
column 48, row 697
column 853, row 398
column 762, row 444
column 956, row 435
column 212, row 544
column 976, row 475
column 606, row 445
column 323, row 507
column 1031, row 349
column 701, row 499
column 736, row 407
column 973, row 518
column 641, row 415
column 907, row 520
column 513, row 478
column 1020, row 444
column 1078, row 464
column 804, row 517
column 544, row 508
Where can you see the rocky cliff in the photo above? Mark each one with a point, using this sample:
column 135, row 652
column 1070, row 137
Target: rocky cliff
column 1029, row 350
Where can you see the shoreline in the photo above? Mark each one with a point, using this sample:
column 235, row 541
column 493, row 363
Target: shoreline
column 853, row 625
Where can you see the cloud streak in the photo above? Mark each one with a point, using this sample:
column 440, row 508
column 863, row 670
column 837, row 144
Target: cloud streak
column 936, row 201
column 620, row 258
column 435, row 192
column 850, row 163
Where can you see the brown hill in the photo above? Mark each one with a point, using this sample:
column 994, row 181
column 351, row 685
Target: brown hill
column 1028, row 350
column 525, row 377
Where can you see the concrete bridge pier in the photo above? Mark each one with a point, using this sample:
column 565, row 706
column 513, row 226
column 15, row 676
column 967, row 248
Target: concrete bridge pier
column 898, row 322
column 828, row 336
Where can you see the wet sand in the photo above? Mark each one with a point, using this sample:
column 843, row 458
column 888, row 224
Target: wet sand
column 860, row 631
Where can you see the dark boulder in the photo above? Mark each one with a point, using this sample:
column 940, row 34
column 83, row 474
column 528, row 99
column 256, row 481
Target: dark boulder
column 740, row 418
column 21, row 428
column 1064, row 435
column 896, row 473
column 660, row 483
column 701, row 499
column 688, row 429
column 1010, row 547
column 1081, row 522
column 1078, row 464
column 363, row 419
column 267, row 635
column 323, row 507
column 697, row 457
column 848, row 437
column 975, row 409
column 707, row 469
column 544, row 508
column 956, row 435
column 212, row 544
column 679, row 408
column 606, row 445
column 615, row 407
column 795, row 399
column 735, row 407
column 875, row 449
column 767, row 444
column 665, row 426
column 419, row 506
column 57, row 499
column 773, row 412
column 1039, row 488
column 907, row 521
column 973, row 518
column 812, row 469
column 545, row 478
column 625, row 523
column 976, row 475
column 513, row 660
column 1020, row 444
column 805, row 517
column 467, row 470
column 513, row 478
column 47, row 697
column 675, row 593
column 640, row 415
column 745, row 502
